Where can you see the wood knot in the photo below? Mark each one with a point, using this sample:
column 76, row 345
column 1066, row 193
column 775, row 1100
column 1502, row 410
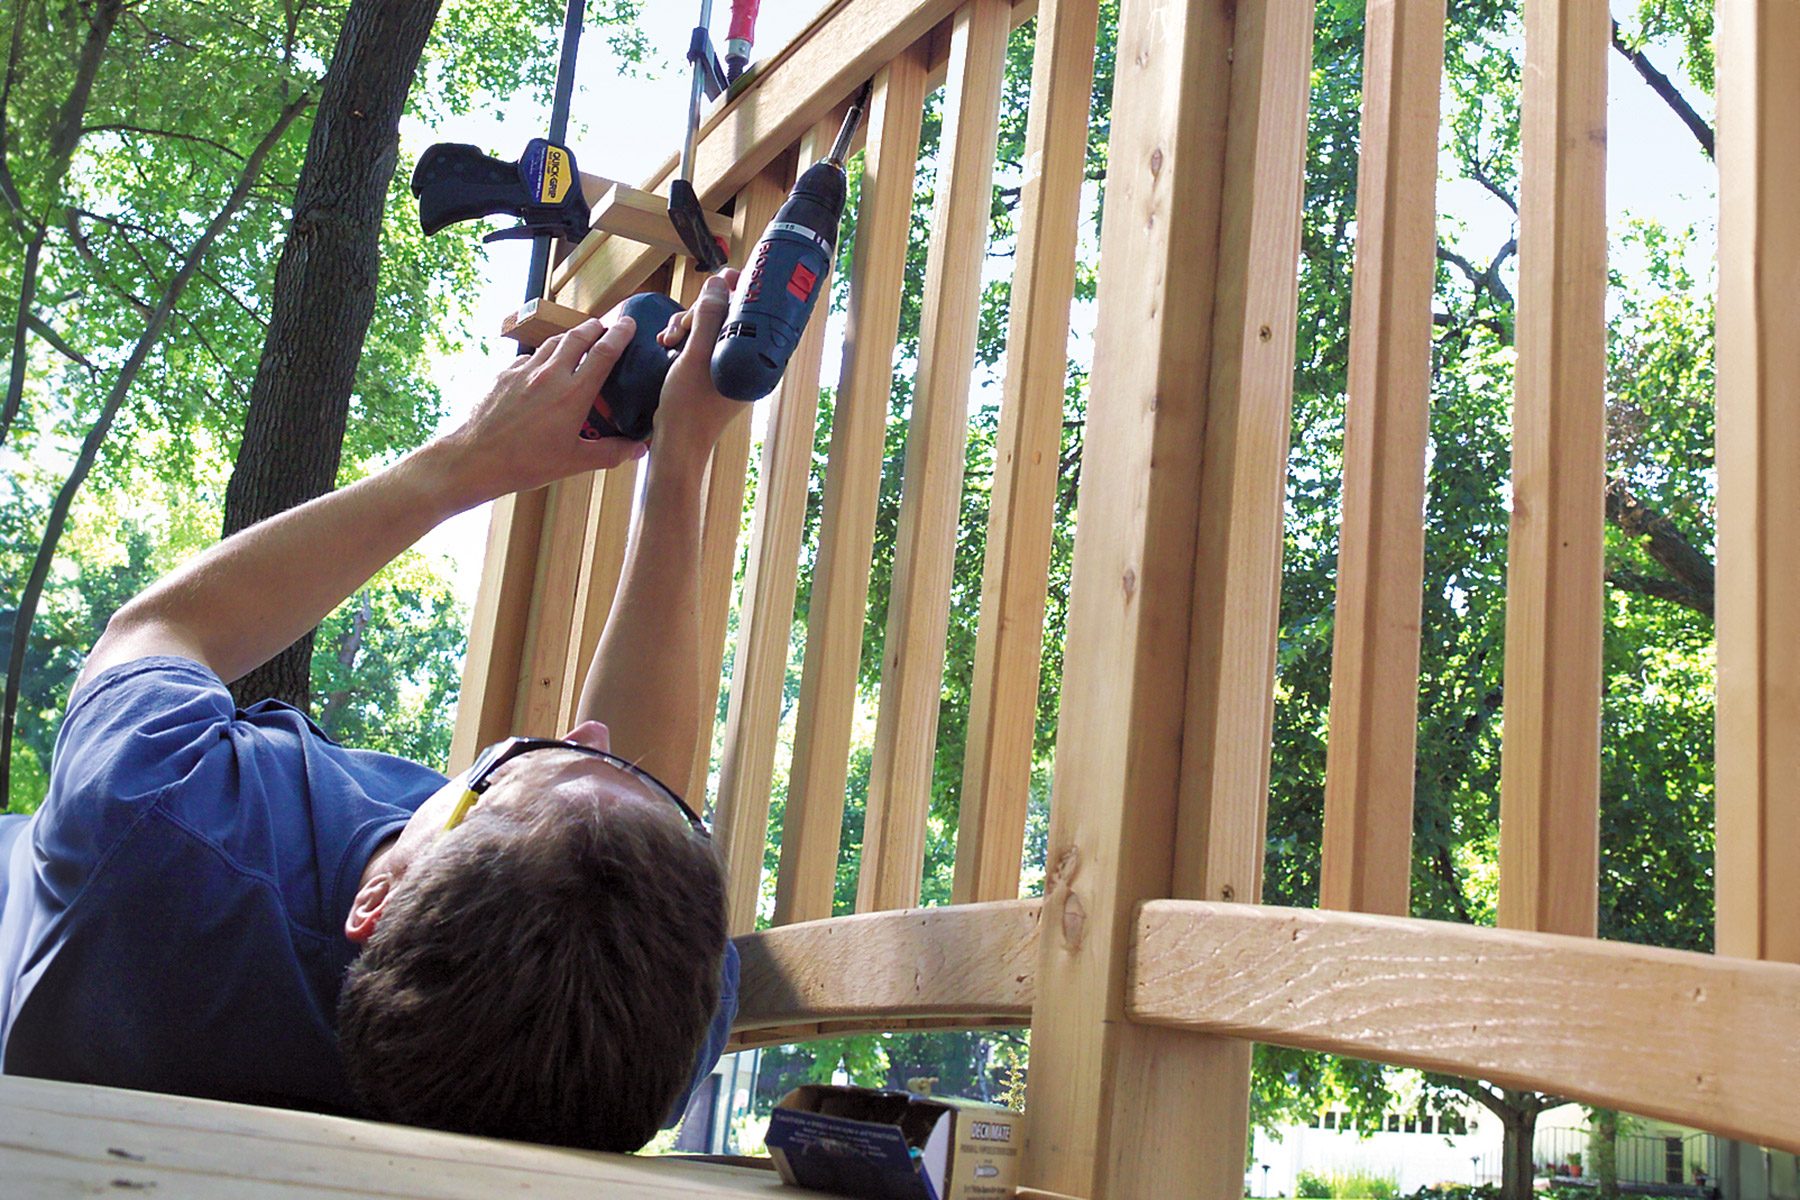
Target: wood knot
column 1265, row 333
column 1129, row 582
column 1228, row 892
column 1156, row 162
column 1074, row 922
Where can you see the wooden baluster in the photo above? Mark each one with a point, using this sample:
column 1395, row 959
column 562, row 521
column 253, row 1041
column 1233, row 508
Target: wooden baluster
column 1381, row 549
column 1550, row 760
column 1003, row 702
column 484, row 710
column 766, row 615
column 724, row 519
column 1759, row 480
column 912, row 665
column 846, row 538
column 605, row 536
column 543, row 668
column 1177, row 574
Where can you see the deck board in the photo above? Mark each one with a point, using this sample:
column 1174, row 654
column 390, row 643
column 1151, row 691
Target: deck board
column 60, row 1139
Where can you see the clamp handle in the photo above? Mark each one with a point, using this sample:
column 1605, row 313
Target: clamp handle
column 457, row 182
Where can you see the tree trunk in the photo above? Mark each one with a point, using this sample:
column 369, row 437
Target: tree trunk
column 325, row 292
column 1519, row 1119
column 1603, row 1151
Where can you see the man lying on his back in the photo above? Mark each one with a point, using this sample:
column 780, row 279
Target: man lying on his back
column 226, row 903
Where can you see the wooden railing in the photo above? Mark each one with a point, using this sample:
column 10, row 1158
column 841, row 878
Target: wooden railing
column 1143, row 975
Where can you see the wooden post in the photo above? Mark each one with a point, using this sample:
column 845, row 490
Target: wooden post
column 1550, row 759
column 766, row 615
column 996, row 779
column 1759, row 480
column 725, row 475
column 847, row 527
column 1176, row 579
column 912, row 664
column 1381, row 547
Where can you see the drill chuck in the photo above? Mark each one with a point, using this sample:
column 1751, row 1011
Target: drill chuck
column 780, row 285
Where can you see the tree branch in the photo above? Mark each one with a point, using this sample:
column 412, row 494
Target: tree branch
column 77, row 239
column 151, row 235
column 55, row 340
column 1693, row 572
column 8, row 189
column 15, row 379
column 64, row 133
column 1664, row 87
column 350, row 644
column 1479, row 173
column 96, row 435
column 1488, row 1098
column 164, row 133
column 1660, row 588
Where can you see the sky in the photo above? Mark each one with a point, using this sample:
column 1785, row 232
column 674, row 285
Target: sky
column 624, row 124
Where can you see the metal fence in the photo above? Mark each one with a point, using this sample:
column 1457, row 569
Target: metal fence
column 1641, row 1158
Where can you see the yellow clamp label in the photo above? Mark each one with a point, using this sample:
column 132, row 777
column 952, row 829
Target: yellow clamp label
column 558, row 178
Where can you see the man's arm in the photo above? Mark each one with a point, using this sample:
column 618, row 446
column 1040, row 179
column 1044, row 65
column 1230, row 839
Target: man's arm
column 644, row 682
column 243, row 601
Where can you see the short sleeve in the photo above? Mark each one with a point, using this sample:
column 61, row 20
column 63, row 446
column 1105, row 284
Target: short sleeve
column 131, row 733
column 717, row 1034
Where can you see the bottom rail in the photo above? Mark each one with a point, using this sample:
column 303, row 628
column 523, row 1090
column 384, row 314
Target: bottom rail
column 1706, row 1041
column 970, row 965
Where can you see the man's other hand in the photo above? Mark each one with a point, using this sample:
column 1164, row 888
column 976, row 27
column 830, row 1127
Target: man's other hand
column 693, row 414
column 526, row 432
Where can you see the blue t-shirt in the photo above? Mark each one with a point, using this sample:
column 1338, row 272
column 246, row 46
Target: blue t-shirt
column 171, row 919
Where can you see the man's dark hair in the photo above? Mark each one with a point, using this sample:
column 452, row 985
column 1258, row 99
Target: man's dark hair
column 548, row 978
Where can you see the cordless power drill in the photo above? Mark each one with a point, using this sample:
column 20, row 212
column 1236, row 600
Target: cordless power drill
column 773, row 300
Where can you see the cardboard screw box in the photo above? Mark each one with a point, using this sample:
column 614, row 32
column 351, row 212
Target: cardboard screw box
column 879, row 1145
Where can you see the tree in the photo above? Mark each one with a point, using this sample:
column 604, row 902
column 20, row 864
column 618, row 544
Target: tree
column 325, row 292
column 124, row 129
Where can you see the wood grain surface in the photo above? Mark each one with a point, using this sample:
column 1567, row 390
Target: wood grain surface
column 771, row 573
column 1758, row 441
column 912, row 659
column 1003, row 703
column 840, row 590
column 966, row 960
column 1703, row 1040
column 1162, row 743
column 1381, row 545
column 1550, row 756
column 64, row 1139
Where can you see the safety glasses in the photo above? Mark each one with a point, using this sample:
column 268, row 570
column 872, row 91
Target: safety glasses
column 503, row 752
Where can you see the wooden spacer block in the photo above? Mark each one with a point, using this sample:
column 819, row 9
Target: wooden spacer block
column 641, row 216
column 539, row 321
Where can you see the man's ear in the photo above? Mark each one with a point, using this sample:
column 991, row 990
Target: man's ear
column 365, row 911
